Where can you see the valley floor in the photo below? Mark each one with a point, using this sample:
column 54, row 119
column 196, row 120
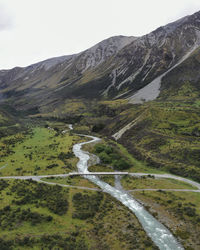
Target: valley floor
column 160, row 202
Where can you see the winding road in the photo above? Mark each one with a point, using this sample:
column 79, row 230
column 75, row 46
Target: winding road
column 169, row 176
column 159, row 176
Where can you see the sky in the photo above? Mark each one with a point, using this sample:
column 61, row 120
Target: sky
column 34, row 30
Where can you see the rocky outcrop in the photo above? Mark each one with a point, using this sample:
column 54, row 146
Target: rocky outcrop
column 125, row 67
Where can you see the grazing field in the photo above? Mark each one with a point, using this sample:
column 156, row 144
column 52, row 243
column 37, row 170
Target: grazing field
column 35, row 216
column 71, row 180
column 39, row 151
column 131, row 182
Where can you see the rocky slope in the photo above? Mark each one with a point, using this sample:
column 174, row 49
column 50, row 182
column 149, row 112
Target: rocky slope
column 127, row 67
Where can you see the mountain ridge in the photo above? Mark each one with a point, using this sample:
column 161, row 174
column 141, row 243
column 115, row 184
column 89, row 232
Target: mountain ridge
column 117, row 67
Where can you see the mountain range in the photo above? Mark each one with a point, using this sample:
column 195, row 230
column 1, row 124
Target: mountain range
column 134, row 68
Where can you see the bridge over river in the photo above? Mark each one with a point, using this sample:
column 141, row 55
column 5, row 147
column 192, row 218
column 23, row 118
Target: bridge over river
column 99, row 173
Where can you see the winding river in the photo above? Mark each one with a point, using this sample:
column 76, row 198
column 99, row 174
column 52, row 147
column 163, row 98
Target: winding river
column 159, row 234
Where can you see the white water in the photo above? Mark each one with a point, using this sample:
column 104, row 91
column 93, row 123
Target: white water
column 159, row 234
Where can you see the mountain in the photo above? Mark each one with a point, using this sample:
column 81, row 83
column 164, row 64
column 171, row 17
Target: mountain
column 118, row 67
column 141, row 96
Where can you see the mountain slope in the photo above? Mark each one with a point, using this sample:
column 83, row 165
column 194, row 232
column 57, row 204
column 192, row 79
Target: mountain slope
column 117, row 67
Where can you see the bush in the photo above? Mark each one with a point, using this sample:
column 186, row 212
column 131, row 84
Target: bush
column 11, row 217
column 98, row 127
column 189, row 211
column 99, row 148
column 105, row 158
column 109, row 155
column 5, row 245
column 52, row 197
column 3, row 184
column 86, row 205
column 121, row 164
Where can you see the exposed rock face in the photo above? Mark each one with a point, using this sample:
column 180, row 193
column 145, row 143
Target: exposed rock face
column 101, row 52
column 127, row 67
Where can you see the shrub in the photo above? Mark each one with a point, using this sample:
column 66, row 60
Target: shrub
column 99, row 148
column 98, row 127
column 86, row 205
column 121, row 164
column 105, row 158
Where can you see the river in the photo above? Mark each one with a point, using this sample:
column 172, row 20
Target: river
column 159, row 234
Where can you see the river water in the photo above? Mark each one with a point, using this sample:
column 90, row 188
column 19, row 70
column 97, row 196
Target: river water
column 159, row 234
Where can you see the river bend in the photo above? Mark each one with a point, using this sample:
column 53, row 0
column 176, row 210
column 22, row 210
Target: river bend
column 159, row 234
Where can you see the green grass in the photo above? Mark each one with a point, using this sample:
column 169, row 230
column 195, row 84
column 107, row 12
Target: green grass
column 165, row 139
column 197, row 103
column 179, row 211
column 60, row 224
column 100, row 168
column 38, row 153
column 96, row 232
column 72, row 180
column 108, row 179
column 137, row 166
column 129, row 182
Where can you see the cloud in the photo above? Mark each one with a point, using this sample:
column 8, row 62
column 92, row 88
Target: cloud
column 6, row 21
column 189, row 8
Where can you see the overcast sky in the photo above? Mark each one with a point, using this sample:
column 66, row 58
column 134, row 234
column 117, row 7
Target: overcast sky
column 34, row 30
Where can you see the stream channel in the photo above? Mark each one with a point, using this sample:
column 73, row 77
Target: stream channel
column 159, row 234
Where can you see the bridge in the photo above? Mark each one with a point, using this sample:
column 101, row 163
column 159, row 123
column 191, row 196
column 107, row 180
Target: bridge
column 99, row 173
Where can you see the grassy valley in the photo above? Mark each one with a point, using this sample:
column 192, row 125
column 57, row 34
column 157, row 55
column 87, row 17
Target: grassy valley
column 37, row 151
column 165, row 138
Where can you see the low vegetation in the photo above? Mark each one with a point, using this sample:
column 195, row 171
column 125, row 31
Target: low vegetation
column 86, row 206
column 71, row 180
column 35, row 216
column 39, row 151
column 165, row 138
column 131, row 182
column 179, row 211
column 49, row 196
column 109, row 155
column 108, row 179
